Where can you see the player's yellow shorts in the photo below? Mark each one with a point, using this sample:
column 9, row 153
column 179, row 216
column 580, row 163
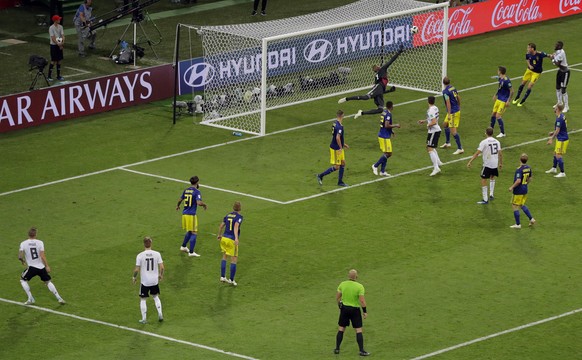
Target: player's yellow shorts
column 531, row 76
column 336, row 156
column 228, row 247
column 561, row 147
column 499, row 107
column 454, row 120
column 385, row 145
column 518, row 199
column 190, row 222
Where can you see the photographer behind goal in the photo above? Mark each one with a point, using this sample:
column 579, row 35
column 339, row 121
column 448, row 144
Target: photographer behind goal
column 82, row 21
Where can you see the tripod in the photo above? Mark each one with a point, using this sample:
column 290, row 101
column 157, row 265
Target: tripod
column 39, row 74
column 135, row 21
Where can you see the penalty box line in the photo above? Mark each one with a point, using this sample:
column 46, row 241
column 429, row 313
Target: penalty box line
column 225, row 143
column 203, row 186
column 121, row 327
column 413, row 171
column 337, row 189
column 518, row 328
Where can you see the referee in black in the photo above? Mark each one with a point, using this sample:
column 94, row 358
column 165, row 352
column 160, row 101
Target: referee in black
column 349, row 297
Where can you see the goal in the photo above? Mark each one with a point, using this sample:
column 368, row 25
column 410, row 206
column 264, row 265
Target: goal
column 248, row 69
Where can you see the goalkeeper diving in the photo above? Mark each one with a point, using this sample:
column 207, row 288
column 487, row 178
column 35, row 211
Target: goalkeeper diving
column 379, row 89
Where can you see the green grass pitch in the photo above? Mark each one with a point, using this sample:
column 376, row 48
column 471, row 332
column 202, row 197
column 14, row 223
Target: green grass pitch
column 438, row 269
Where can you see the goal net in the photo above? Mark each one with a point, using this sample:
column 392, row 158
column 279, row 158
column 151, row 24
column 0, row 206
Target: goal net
column 249, row 69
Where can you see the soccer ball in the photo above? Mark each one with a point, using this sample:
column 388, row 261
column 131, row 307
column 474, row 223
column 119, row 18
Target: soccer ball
column 59, row 40
column 414, row 29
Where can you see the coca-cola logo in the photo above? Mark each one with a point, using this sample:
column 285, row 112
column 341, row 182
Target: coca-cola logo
column 459, row 24
column 516, row 13
column 569, row 5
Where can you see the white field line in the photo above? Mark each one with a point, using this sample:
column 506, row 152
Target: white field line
column 497, row 334
column 225, row 143
column 57, row 181
column 203, row 186
column 121, row 327
column 413, row 171
column 339, row 188
column 80, row 72
column 3, row 53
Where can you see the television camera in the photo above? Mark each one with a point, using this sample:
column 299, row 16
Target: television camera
column 37, row 63
column 135, row 8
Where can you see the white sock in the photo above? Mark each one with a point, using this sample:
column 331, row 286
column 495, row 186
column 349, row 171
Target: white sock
column 559, row 96
column 434, row 158
column 437, row 155
column 565, row 97
column 144, row 309
column 491, row 187
column 484, row 192
column 26, row 288
column 53, row 289
column 158, row 303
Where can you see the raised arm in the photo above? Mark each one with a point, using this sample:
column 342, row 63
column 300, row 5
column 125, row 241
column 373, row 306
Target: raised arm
column 393, row 58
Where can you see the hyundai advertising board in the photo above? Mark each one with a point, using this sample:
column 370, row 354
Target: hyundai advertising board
column 297, row 55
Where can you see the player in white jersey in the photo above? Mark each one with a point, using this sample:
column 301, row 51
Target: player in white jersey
column 150, row 266
column 562, row 76
column 434, row 132
column 490, row 149
column 31, row 254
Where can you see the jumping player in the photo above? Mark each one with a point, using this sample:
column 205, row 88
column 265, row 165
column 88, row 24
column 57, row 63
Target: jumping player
column 534, row 60
column 379, row 89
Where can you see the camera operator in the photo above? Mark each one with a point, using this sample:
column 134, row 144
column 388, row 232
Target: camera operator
column 57, row 40
column 82, row 21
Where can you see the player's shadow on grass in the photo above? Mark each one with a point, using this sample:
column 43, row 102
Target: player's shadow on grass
column 223, row 301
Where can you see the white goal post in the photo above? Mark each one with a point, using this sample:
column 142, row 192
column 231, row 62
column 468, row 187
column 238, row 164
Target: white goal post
column 248, row 69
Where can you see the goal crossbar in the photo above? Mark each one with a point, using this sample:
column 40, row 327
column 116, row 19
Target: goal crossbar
column 247, row 70
column 357, row 22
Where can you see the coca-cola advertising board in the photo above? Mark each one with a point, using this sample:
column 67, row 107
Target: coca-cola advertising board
column 88, row 97
column 482, row 17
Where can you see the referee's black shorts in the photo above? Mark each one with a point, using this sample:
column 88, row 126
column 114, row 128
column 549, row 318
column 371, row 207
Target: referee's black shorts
column 350, row 314
column 56, row 53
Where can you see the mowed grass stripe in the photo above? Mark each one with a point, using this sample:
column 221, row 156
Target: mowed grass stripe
column 121, row 327
column 228, row 143
column 309, row 197
column 518, row 328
